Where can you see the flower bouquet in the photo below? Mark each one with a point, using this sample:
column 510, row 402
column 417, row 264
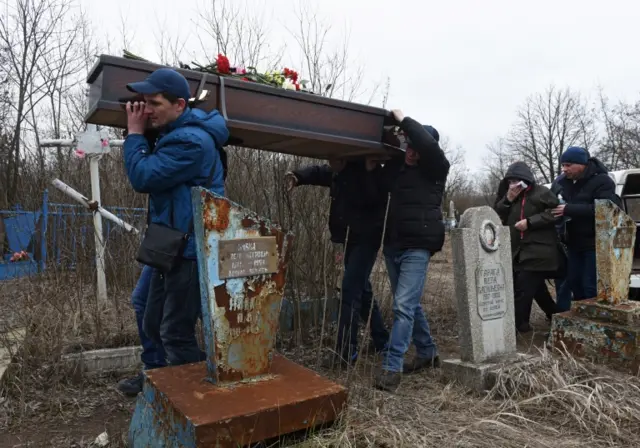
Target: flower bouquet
column 285, row 79
column 19, row 256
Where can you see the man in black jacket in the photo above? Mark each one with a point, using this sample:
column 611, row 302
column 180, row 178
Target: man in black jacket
column 414, row 232
column 585, row 180
column 355, row 220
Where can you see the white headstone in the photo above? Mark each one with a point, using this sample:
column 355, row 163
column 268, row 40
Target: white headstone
column 483, row 287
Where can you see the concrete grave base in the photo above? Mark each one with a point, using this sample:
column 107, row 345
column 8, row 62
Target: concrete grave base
column 481, row 377
column 104, row 360
column 601, row 333
column 179, row 407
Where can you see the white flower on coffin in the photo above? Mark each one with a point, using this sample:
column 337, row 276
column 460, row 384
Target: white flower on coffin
column 288, row 84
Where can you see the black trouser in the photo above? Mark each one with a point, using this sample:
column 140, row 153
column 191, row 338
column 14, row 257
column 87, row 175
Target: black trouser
column 530, row 285
column 357, row 300
column 172, row 310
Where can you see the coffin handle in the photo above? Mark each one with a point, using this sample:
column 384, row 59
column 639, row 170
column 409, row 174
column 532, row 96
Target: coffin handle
column 196, row 98
column 222, row 99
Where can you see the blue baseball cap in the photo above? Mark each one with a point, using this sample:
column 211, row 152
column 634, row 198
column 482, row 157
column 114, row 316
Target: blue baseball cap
column 163, row 80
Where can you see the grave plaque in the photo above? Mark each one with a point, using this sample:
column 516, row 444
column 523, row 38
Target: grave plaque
column 484, row 294
column 491, row 290
column 483, row 282
column 246, row 257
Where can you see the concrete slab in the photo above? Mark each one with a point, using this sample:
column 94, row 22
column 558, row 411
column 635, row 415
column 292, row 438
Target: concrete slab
column 105, row 360
column 10, row 342
column 481, row 377
column 179, row 407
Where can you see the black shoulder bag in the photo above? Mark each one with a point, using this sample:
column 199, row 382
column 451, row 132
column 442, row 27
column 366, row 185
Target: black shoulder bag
column 162, row 246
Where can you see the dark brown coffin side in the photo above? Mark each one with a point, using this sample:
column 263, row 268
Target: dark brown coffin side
column 258, row 116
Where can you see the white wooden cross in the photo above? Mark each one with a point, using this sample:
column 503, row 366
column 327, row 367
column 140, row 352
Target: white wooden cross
column 94, row 144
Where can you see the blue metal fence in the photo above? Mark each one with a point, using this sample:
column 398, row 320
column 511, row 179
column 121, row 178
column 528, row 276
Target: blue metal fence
column 56, row 234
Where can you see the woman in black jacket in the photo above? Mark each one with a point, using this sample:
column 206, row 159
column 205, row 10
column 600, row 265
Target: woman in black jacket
column 526, row 207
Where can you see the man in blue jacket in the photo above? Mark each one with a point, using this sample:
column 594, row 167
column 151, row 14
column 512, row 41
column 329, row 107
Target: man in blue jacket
column 186, row 155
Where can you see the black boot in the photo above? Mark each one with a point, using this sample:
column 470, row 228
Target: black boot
column 131, row 386
column 387, row 380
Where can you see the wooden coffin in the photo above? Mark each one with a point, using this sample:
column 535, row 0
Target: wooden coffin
column 258, row 116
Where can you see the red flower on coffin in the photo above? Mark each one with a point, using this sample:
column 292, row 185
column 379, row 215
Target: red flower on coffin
column 222, row 64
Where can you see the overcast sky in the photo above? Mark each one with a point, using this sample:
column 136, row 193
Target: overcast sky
column 463, row 67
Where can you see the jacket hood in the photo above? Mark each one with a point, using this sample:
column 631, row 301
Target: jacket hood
column 595, row 166
column 212, row 122
column 517, row 170
column 520, row 170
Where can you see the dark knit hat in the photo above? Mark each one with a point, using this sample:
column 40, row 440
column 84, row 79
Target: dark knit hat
column 575, row 154
column 431, row 130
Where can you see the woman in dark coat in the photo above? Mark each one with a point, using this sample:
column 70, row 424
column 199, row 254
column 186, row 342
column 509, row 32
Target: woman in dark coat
column 526, row 209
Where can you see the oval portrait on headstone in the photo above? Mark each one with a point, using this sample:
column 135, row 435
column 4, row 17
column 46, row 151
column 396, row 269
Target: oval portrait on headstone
column 489, row 236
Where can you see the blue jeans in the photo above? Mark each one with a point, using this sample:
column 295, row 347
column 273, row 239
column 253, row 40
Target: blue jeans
column 563, row 295
column 172, row 311
column 152, row 355
column 358, row 301
column 582, row 275
column 407, row 274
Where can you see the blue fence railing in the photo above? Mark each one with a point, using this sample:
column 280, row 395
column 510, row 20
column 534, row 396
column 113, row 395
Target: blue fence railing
column 57, row 233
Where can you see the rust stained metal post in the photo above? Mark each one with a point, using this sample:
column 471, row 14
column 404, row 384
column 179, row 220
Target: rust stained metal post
column 240, row 315
column 244, row 393
column 606, row 329
column 615, row 240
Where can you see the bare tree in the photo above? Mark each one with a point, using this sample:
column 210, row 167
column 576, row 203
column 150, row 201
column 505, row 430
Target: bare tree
column 170, row 47
column 546, row 125
column 329, row 71
column 239, row 34
column 33, row 36
column 458, row 179
column 619, row 147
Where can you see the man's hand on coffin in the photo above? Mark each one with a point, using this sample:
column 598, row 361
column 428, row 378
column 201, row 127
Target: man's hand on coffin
column 290, row 181
column 397, row 115
column 136, row 118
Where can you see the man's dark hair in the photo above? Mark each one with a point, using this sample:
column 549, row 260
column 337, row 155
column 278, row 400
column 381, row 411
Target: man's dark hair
column 173, row 99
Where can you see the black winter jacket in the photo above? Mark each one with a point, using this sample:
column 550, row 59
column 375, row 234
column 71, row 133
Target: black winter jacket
column 535, row 249
column 352, row 205
column 415, row 209
column 580, row 197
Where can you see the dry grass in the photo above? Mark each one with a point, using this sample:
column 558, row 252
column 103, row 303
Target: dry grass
column 556, row 402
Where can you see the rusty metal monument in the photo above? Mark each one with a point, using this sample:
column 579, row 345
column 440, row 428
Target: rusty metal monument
column 606, row 328
column 244, row 392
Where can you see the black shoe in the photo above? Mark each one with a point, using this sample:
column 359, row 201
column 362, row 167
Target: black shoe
column 387, row 380
column 131, row 386
column 417, row 364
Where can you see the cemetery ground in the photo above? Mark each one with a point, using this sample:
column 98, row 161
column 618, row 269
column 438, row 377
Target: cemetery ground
column 555, row 402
